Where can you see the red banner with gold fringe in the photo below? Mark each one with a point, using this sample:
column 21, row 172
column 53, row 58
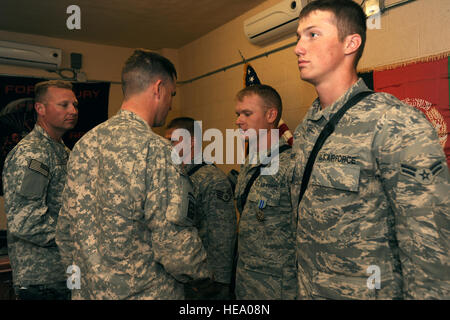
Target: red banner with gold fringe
column 425, row 86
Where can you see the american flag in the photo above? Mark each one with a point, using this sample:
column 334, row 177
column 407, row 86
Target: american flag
column 251, row 78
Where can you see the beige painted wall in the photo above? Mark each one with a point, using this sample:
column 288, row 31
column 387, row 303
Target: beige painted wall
column 415, row 30
column 99, row 62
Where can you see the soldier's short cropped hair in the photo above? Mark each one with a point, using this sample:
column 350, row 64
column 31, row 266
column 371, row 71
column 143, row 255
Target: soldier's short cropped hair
column 144, row 67
column 182, row 123
column 349, row 19
column 41, row 88
column 269, row 95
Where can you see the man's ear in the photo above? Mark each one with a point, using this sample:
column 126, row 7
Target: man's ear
column 271, row 115
column 157, row 88
column 352, row 43
column 40, row 108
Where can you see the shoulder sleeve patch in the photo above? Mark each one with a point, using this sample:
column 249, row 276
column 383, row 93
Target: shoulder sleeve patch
column 35, row 180
column 39, row 167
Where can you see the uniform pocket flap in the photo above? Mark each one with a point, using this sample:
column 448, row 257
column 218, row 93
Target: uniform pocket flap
column 337, row 176
column 270, row 197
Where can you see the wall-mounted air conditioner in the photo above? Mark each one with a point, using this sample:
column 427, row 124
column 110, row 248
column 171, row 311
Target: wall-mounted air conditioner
column 13, row 53
column 274, row 23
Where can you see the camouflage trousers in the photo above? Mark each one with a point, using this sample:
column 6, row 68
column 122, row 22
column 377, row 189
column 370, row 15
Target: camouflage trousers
column 51, row 291
column 261, row 280
column 213, row 291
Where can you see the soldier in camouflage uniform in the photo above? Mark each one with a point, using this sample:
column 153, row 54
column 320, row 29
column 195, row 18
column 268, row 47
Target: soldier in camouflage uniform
column 266, row 239
column 127, row 216
column 374, row 220
column 33, row 179
column 215, row 216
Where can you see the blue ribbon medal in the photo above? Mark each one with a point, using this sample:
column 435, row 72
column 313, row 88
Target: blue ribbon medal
column 260, row 213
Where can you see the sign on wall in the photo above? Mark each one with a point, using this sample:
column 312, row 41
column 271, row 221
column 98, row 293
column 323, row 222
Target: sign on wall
column 17, row 116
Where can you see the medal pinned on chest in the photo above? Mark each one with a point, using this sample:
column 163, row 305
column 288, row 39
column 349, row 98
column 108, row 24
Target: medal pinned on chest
column 260, row 212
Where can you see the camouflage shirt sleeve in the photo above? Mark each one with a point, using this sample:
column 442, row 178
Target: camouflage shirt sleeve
column 416, row 181
column 63, row 235
column 176, row 244
column 26, row 179
column 221, row 228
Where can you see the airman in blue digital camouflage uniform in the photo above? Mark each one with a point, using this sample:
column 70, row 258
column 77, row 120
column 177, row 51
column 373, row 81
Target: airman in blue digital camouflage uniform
column 266, row 239
column 215, row 216
column 374, row 220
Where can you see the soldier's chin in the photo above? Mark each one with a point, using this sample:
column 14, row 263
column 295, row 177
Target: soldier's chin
column 307, row 78
column 72, row 125
column 244, row 134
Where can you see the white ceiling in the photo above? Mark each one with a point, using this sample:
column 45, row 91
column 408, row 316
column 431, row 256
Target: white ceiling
column 152, row 24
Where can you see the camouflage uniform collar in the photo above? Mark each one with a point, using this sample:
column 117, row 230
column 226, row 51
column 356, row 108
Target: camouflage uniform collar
column 198, row 160
column 317, row 112
column 133, row 116
column 282, row 141
column 41, row 132
column 188, row 167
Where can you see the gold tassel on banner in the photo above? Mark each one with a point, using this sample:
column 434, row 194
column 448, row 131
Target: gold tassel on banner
column 408, row 62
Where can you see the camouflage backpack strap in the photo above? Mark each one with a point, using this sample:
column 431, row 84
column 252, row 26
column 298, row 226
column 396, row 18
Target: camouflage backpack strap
column 326, row 132
column 232, row 177
column 195, row 169
column 243, row 198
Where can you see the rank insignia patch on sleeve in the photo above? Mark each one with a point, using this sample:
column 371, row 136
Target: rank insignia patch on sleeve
column 422, row 175
column 224, row 196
